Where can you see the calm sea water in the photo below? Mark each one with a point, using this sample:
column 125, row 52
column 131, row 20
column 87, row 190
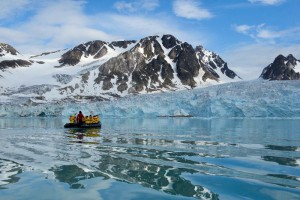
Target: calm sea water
column 163, row 158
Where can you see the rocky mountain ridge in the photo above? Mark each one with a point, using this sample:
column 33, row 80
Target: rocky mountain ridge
column 153, row 64
column 96, row 49
column 106, row 70
column 11, row 58
column 7, row 49
column 282, row 68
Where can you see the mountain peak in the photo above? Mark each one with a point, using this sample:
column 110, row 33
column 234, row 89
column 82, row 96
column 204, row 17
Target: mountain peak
column 6, row 48
column 291, row 59
column 154, row 63
column 121, row 44
column 94, row 48
column 169, row 41
column 11, row 58
column 282, row 68
column 106, row 70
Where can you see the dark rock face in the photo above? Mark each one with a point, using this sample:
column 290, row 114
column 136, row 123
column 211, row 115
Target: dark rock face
column 13, row 64
column 281, row 69
column 291, row 60
column 121, row 44
column 150, row 46
column 97, row 49
column 93, row 48
column 6, row 48
column 6, row 64
column 119, row 68
column 146, row 67
column 215, row 62
column 187, row 64
column 148, row 77
column 169, row 41
column 225, row 70
column 72, row 57
column 101, row 53
column 44, row 54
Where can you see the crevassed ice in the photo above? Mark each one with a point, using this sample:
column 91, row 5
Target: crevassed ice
column 240, row 99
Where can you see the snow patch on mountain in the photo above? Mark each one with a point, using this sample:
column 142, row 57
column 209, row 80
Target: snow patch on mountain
column 7, row 52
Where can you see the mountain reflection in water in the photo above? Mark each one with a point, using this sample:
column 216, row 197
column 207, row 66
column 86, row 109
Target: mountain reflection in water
column 8, row 172
column 176, row 158
column 111, row 165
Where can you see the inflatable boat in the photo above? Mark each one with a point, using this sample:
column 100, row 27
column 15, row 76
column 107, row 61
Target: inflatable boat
column 84, row 125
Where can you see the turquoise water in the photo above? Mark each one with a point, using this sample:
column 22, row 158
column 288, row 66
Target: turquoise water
column 162, row 158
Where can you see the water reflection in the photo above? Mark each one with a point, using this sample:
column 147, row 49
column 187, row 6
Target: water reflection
column 163, row 178
column 166, row 154
column 112, row 164
column 72, row 175
column 8, row 172
column 281, row 160
column 86, row 136
column 159, row 177
column 31, row 122
column 283, row 148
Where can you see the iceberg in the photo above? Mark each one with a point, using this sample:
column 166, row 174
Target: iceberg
column 256, row 98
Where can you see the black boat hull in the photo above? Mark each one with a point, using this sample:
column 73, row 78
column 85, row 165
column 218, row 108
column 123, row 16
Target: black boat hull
column 69, row 125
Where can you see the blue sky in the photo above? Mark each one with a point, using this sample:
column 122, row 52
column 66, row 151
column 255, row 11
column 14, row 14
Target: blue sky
column 248, row 34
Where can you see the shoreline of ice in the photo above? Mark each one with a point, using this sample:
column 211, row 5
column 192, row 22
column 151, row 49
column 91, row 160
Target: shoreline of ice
column 240, row 99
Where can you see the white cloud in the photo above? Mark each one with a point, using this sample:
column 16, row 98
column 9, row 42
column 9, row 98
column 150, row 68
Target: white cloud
column 150, row 5
column 138, row 5
column 244, row 29
column 267, row 2
column 10, row 8
column 138, row 26
column 54, row 25
column 59, row 24
column 249, row 30
column 248, row 60
column 7, row 35
column 122, row 5
column 262, row 33
column 268, row 34
column 190, row 9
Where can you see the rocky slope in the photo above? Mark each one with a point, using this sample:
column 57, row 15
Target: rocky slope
column 102, row 70
column 96, row 49
column 152, row 64
column 10, row 58
column 7, row 49
column 283, row 68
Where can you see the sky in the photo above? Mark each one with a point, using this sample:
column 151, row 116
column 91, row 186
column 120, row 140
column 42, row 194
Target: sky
column 247, row 34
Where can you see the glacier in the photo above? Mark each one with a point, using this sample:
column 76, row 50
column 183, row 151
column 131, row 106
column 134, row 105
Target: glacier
column 256, row 98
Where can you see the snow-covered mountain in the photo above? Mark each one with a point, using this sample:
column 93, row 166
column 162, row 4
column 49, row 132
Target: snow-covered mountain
column 283, row 68
column 100, row 70
column 11, row 58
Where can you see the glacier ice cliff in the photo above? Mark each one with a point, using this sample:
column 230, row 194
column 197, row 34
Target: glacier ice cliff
column 240, row 99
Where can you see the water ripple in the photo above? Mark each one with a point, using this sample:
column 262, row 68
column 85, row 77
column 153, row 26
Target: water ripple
column 162, row 160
